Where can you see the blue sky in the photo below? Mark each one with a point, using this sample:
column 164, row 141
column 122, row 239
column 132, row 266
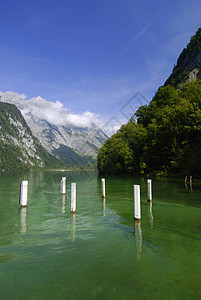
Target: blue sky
column 93, row 55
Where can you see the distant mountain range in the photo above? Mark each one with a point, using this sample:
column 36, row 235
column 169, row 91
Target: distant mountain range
column 73, row 139
column 19, row 149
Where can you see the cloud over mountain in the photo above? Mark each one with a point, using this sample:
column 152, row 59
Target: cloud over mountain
column 53, row 112
column 73, row 138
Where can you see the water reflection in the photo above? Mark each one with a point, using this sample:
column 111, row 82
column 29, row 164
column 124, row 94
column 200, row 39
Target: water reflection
column 191, row 186
column 23, row 219
column 104, row 207
column 63, row 204
column 138, row 239
column 72, row 227
column 150, row 214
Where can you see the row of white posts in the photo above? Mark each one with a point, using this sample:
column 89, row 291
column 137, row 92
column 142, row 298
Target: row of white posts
column 137, row 205
column 73, row 193
column 23, row 199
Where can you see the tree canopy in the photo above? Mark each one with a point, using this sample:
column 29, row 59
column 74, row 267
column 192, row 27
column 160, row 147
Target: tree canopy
column 164, row 139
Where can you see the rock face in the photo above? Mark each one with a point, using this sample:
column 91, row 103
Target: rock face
column 71, row 138
column 188, row 65
column 19, row 149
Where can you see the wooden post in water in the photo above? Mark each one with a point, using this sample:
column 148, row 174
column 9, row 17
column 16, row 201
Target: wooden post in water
column 149, row 190
column 137, row 210
column 73, row 197
column 23, row 199
column 63, row 186
column 103, row 187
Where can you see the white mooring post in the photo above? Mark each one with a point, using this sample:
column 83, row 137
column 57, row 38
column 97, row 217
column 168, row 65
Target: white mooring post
column 63, row 185
column 137, row 210
column 149, row 190
column 103, row 187
column 73, row 197
column 23, row 199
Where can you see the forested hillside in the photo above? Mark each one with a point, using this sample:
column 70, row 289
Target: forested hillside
column 164, row 137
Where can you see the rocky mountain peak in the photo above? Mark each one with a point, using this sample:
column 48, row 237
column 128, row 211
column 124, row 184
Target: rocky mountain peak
column 73, row 138
column 188, row 65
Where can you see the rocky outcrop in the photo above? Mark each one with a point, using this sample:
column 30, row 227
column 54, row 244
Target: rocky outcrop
column 188, row 65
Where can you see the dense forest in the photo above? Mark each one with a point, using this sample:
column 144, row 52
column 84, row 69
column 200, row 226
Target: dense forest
column 164, row 137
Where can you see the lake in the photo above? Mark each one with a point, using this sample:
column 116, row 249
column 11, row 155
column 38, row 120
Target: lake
column 99, row 252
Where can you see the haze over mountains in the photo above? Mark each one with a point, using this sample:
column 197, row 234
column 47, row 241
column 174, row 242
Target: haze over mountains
column 75, row 139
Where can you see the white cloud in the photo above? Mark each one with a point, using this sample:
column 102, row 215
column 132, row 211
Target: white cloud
column 56, row 114
column 110, row 130
column 53, row 112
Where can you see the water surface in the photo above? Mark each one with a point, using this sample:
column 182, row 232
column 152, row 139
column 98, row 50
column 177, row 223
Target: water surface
column 99, row 253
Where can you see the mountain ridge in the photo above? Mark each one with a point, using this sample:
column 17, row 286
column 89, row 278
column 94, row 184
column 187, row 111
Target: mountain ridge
column 60, row 132
column 188, row 66
column 19, row 149
column 164, row 137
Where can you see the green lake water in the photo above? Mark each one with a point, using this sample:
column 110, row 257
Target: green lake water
column 99, row 252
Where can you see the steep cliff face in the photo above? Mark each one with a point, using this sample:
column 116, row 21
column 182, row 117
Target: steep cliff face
column 19, row 149
column 74, row 141
column 188, row 65
column 166, row 139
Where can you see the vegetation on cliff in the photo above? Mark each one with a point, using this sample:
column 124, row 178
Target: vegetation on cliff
column 163, row 137
column 166, row 139
column 189, row 60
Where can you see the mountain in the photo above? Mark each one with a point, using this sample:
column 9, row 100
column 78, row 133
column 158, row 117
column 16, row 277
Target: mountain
column 164, row 137
column 188, row 65
column 72, row 138
column 19, row 149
